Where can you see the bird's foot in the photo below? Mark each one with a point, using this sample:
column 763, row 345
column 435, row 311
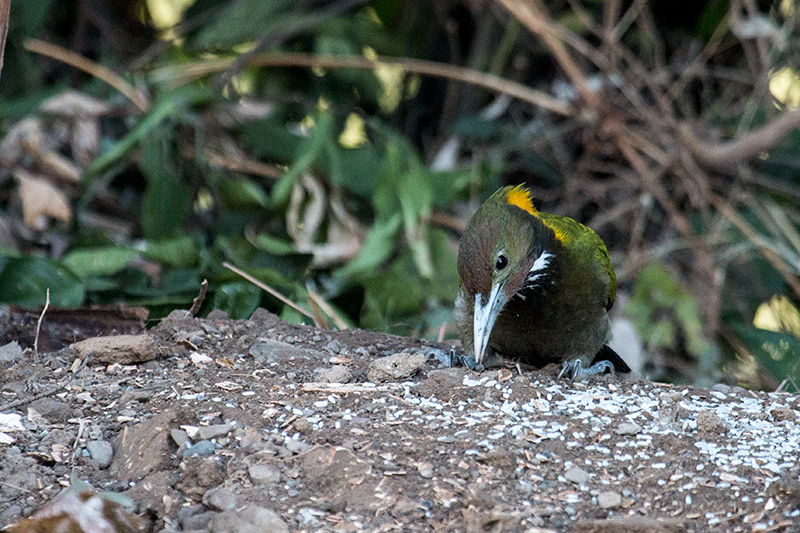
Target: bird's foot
column 573, row 370
column 452, row 359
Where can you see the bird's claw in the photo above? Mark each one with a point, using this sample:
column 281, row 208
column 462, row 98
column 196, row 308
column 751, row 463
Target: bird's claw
column 452, row 359
column 573, row 370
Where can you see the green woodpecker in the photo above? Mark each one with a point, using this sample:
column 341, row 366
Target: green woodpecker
column 535, row 287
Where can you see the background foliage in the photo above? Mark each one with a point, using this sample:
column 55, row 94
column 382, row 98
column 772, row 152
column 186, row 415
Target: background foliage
column 334, row 151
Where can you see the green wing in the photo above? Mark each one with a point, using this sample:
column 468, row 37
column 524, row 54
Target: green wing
column 584, row 242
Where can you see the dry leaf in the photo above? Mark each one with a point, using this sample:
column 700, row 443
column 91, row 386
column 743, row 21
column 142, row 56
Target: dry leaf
column 74, row 104
column 41, row 201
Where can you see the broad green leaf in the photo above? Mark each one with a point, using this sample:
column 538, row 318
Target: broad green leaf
column 359, row 169
column 271, row 139
column 238, row 192
column 291, row 316
column 172, row 283
column 239, row 300
column 172, row 104
column 247, row 20
column 25, row 281
column 179, row 253
column 238, row 251
column 385, row 201
column 167, row 200
column 380, row 242
column 392, row 296
column 101, row 284
column 99, row 261
column 274, row 245
column 444, row 284
column 415, row 203
column 779, row 353
column 308, row 152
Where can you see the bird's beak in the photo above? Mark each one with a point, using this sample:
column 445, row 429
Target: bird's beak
column 484, row 317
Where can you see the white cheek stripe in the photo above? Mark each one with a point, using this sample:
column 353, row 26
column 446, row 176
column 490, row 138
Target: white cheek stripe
column 541, row 262
column 538, row 270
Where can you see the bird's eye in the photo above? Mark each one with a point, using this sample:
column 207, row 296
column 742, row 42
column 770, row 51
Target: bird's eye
column 502, row 261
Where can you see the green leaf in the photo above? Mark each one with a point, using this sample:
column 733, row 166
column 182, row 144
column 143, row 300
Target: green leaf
column 179, row 283
column 392, row 296
column 274, row 245
column 179, row 253
column 377, row 246
column 99, row 261
column 172, row 104
column 308, row 152
column 291, row 316
column 239, row 300
column 238, row 192
column 24, row 282
column 246, row 20
column 416, row 197
column 356, row 169
column 243, row 254
column 271, row 139
column 101, row 284
column 778, row 353
column 166, row 200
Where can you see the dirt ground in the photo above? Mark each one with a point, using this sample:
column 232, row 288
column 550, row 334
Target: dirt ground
column 221, row 425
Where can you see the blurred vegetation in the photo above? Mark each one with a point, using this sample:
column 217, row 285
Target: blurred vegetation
column 334, row 151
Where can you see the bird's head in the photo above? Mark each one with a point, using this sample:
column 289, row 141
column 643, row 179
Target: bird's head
column 504, row 249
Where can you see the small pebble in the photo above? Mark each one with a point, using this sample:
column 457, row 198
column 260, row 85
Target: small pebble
column 334, row 374
column 264, row 474
column 779, row 414
column 577, row 475
column 393, row 367
column 179, row 436
column 296, row 446
column 629, row 428
column 710, row 422
column 202, row 448
column 216, row 430
column 101, row 451
column 334, row 346
column 219, row 499
column 425, row 469
column 609, row 500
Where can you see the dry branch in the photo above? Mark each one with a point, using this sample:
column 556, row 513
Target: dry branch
column 98, row 71
column 188, row 72
column 725, row 155
column 5, row 11
column 534, row 16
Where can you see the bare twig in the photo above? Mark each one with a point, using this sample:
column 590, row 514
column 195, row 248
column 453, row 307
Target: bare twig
column 39, row 323
column 679, row 220
column 271, row 291
column 725, row 155
column 742, row 225
column 5, row 11
column 319, row 301
column 198, row 301
column 534, row 16
column 447, row 221
column 188, row 72
column 90, row 67
column 24, row 401
column 330, row 10
column 9, row 485
column 347, row 388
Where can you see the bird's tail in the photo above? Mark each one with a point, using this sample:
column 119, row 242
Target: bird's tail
column 607, row 354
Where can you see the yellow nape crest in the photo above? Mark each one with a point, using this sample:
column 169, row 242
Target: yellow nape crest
column 561, row 236
column 521, row 197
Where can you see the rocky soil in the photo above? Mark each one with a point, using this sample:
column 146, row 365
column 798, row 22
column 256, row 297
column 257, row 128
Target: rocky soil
column 243, row 426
